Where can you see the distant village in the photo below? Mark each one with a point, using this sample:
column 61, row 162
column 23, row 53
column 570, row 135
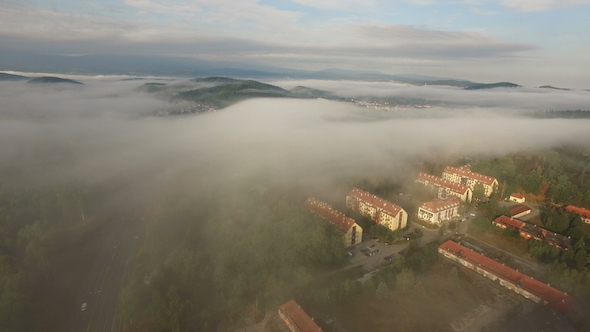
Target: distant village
column 386, row 106
column 454, row 188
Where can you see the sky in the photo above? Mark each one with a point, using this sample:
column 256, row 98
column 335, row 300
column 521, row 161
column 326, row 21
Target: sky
column 529, row 42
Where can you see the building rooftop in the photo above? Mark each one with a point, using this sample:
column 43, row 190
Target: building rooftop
column 510, row 222
column 299, row 317
column 584, row 213
column 554, row 297
column 378, row 202
column 466, row 172
column 437, row 204
column 535, row 231
column 517, row 209
column 438, row 181
column 326, row 212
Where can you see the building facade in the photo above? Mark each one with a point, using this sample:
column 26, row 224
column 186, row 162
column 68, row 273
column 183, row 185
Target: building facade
column 438, row 211
column 296, row 319
column 517, row 198
column 445, row 187
column 352, row 232
column 379, row 210
column 516, row 281
column 463, row 175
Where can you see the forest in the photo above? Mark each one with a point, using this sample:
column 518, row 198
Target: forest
column 201, row 261
column 41, row 231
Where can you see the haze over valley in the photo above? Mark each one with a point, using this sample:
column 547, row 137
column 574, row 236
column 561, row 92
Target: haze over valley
column 296, row 165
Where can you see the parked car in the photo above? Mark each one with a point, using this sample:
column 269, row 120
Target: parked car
column 83, row 306
column 349, row 254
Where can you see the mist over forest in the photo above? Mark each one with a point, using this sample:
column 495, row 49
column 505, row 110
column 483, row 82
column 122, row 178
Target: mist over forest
column 216, row 197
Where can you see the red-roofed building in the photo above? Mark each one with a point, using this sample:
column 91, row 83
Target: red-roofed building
column 353, row 233
column 516, row 281
column 439, row 210
column 516, row 198
column 584, row 214
column 445, row 187
column 379, row 210
column 530, row 231
column 519, row 210
column 296, row 319
column 463, row 175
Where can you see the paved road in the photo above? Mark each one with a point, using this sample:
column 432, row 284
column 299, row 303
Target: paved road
column 103, row 286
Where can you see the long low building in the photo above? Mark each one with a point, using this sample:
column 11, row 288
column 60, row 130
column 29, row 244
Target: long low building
column 445, row 187
column 353, row 233
column 463, row 175
column 584, row 213
column 437, row 211
column 296, row 319
column 516, row 281
column 379, row 210
column 530, row 231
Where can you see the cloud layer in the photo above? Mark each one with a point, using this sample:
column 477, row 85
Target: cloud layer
column 105, row 133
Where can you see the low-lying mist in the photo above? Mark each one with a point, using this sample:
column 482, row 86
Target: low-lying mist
column 221, row 191
column 503, row 99
column 106, row 131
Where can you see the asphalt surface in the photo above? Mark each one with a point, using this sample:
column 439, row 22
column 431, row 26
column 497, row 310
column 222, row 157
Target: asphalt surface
column 102, row 288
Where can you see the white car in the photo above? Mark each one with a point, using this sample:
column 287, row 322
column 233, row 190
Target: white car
column 472, row 214
column 83, row 306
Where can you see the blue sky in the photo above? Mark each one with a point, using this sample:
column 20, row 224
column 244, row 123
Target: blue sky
column 532, row 42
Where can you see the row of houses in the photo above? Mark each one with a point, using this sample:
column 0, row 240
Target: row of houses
column 382, row 212
column 455, row 186
column 530, row 231
column 464, row 176
column 514, row 280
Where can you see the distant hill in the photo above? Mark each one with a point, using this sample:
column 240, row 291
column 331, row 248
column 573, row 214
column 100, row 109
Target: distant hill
column 306, row 92
column 481, row 86
column 51, row 79
column 11, row 77
column 549, row 87
column 457, row 83
column 566, row 114
column 228, row 91
column 152, row 87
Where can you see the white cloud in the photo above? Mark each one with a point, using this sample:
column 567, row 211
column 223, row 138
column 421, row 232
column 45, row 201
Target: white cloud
column 542, row 5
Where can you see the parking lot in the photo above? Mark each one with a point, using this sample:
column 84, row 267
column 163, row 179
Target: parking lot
column 375, row 253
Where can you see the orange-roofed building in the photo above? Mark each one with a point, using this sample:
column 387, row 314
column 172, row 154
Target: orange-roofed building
column 463, row 175
column 437, row 211
column 445, row 187
column 379, row 210
column 517, row 198
column 353, row 233
column 530, row 231
column 514, row 280
column 584, row 213
column 296, row 319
